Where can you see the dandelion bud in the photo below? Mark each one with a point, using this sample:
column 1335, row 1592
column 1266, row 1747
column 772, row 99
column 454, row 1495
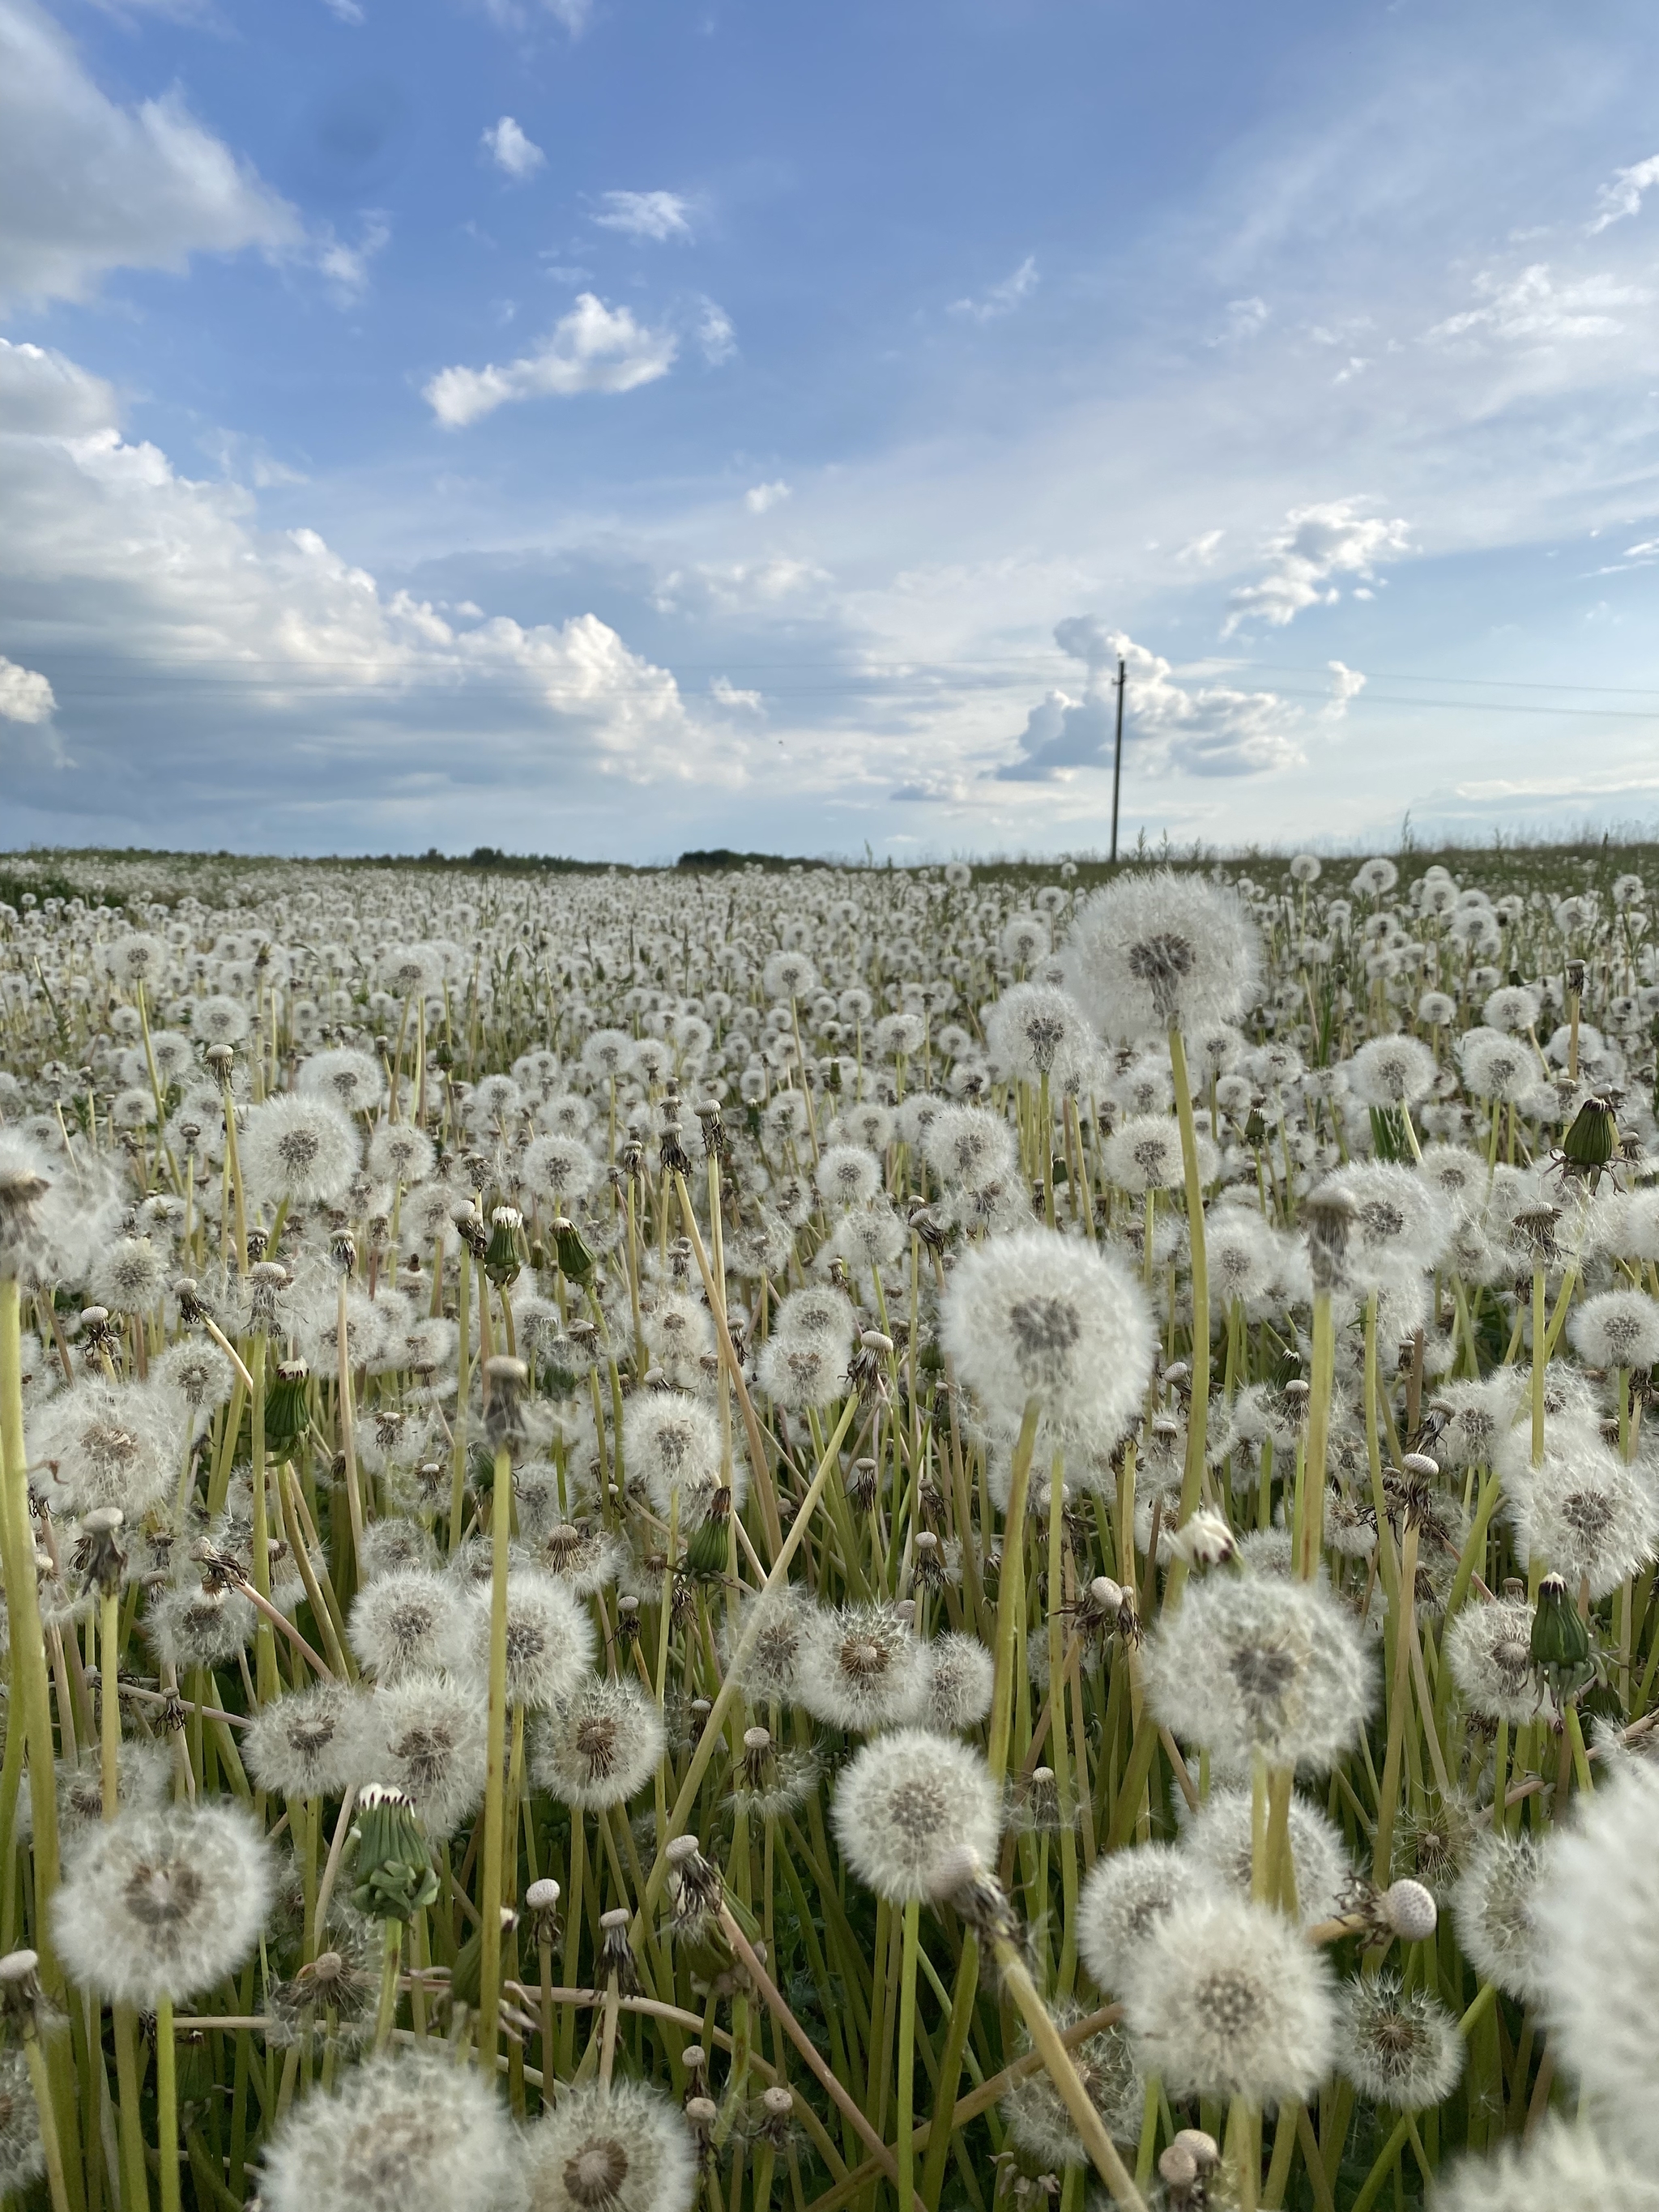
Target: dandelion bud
column 266, row 1281
column 1420, row 1463
column 1206, row 1541
column 1591, row 1140
column 258, row 1243
column 1560, row 1640
column 616, row 1953
column 395, row 1874
column 575, row 1260
column 1409, row 1909
column 873, row 1340
column 863, row 1484
column 501, row 1256
column 220, row 1058
column 1177, row 1374
column 343, row 1252
column 628, row 1620
column 288, row 1414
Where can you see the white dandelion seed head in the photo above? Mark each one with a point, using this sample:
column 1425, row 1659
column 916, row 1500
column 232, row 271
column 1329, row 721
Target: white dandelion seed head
column 969, row 1148
column 426, row 1735
column 1035, row 2114
column 1034, row 1029
column 299, row 1149
column 861, row 1669
column 1248, row 1662
column 1224, row 1999
column 1034, row 1314
column 108, row 1443
column 404, row 1621
column 1488, row 1647
column 162, row 1904
column 672, row 1442
column 771, row 1642
column 550, row 1639
column 1584, row 1513
column 1616, row 1329
column 409, row 2130
column 1493, row 1904
column 1217, row 1837
column 961, row 1676
column 847, row 1175
column 1391, row 1070
column 1153, row 951
column 600, row 1745
column 1399, row 2047
column 1126, row 1896
column 624, row 2148
column 1595, row 1915
column 907, row 1799
column 1560, row 2167
column 306, row 1744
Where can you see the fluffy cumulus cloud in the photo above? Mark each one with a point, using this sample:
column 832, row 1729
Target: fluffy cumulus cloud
column 1205, row 729
column 1317, row 545
column 25, row 694
column 191, row 648
column 89, row 185
column 513, row 152
column 660, row 216
column 592, row 348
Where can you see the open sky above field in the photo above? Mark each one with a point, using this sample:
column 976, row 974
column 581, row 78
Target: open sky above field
column 603, row 426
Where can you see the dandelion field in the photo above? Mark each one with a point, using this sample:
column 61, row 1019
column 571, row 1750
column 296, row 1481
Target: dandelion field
column 799, row 1538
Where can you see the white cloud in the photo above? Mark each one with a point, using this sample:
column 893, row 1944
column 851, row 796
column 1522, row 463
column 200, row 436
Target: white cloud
column 345, row 267
column 1334, row 538
column 1347, row 683
column 513, row 154
column 1535, row 309
column 165, row 588
column 1623, row 196
column 50, row 396
column 1002, row 298
column 89, row 185
column 25, row 695
column 715, row 335
column 1209, row 729
column 658, row 215
column 592, row 348
column 1245, row 318
column 347, row 11
column 1200, row 552
column 728, row 696
column 761, row 498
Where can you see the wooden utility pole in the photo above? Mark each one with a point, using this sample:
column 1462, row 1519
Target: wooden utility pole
column 1117, row 756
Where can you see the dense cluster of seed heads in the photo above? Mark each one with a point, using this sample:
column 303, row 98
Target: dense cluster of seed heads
column 829, row 1537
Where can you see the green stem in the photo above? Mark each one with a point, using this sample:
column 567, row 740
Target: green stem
column 906, row 2053
column 166, row 2103
column 490, row 1885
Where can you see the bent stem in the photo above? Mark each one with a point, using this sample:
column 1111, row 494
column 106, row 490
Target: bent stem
column 1057, row 2060
column 1011, row 1589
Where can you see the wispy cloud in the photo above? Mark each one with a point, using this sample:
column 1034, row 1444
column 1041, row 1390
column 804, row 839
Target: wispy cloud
column 344, row 266
column 1002, row 298
column 657, row 216
column 513, row 152
column 726, row 694
column 1346, row 684
column 1623, row 196
column 1535, row 307
column 1245, row 318
column 1316, row 543
column 715, row 335
column 761, row 498
column 592, row 348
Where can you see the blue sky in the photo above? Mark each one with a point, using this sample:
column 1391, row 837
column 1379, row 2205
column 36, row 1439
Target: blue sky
column 609, row 427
